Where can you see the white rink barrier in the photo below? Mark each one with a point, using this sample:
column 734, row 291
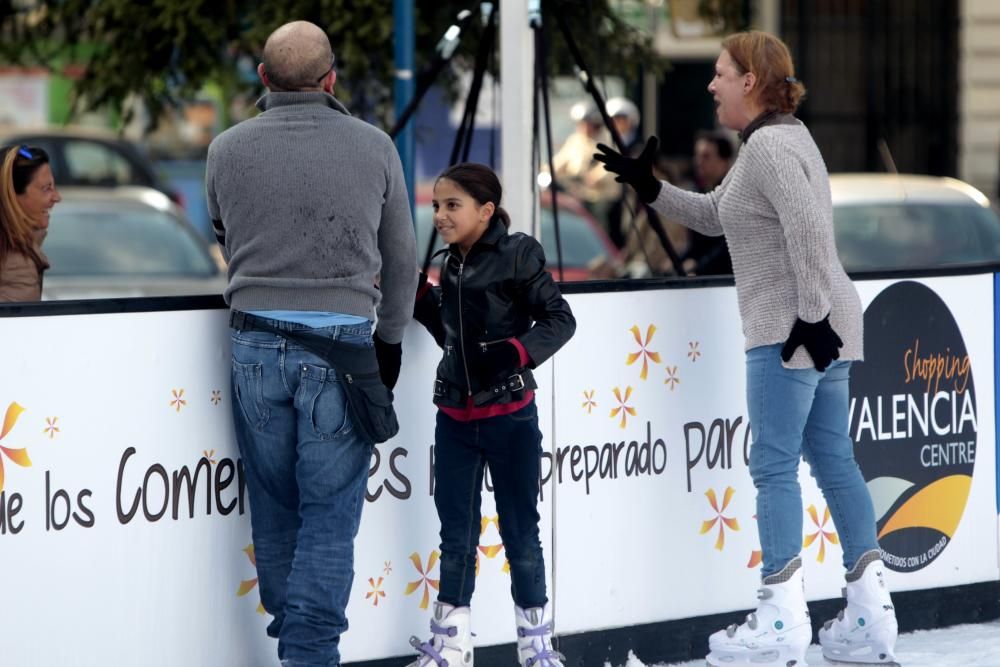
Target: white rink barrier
column 124, row 532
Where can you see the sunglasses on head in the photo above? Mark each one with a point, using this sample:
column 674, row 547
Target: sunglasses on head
column 25, row 152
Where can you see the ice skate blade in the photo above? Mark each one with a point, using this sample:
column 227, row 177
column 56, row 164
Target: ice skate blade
column 757, row 661
column 842, row 663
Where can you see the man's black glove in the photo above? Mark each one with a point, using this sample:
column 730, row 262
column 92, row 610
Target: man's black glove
column 820, row 340
column 390, row 358
column 495, row 362
column 636, row 171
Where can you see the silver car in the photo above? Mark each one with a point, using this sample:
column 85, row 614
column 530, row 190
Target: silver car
column 125, row 242
column 894, row 221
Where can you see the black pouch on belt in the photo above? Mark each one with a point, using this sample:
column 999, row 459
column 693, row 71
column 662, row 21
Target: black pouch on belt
column 369, row 402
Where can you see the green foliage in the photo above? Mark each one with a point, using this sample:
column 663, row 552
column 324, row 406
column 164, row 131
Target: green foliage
column 163, row 51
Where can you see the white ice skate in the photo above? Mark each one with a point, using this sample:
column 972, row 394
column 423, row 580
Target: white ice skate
column 777, row 634
column 534, row 638
column 864, row 633
column 450, row 644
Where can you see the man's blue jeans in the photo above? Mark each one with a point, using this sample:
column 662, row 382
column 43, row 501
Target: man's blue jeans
column 306, row 470
column 512, row 446
column 803, row 413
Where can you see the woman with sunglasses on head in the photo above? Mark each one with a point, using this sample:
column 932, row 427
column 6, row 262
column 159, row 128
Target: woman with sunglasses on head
column 803, row 325
column 27, row 194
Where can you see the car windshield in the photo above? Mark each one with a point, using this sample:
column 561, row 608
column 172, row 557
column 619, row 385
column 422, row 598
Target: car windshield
column 580, row 245
column 915, row 235
column 92, row 242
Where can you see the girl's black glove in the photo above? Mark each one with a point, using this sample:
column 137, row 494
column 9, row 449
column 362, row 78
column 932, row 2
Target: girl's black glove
column 820, row 340
column 495, row 362
column 636, row 171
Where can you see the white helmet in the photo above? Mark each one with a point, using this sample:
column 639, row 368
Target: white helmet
column 585, row 110
column 621, row 106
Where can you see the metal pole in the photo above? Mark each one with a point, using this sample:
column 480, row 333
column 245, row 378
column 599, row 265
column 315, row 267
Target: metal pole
column 403, row 87
column 516, row 81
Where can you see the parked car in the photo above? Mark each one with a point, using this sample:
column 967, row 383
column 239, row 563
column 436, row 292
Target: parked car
column 91, row 157
column 891, row 221
column 587, row 252
column 123, row 242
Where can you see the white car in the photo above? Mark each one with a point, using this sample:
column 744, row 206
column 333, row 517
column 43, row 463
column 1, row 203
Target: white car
column 895, row 221
column 125, row 242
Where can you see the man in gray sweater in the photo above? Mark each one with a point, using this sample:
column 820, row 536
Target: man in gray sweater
column 311, row 210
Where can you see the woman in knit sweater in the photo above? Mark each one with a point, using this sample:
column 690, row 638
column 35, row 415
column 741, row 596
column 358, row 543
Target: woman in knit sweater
column 802, row 320
column 27, row 194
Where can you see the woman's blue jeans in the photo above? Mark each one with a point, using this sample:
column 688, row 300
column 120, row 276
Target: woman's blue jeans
column 306, row 471
column 803, row 413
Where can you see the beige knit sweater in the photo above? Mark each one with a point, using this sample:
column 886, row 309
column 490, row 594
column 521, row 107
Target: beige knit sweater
column 774, row 208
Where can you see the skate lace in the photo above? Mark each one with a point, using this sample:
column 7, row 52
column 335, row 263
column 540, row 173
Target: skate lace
column 428, row 649
column 547, row 657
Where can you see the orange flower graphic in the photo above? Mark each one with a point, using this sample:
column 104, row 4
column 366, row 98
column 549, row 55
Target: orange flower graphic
column 50, row 426
column 589, row 404
column 18, row 456
column 177, row 401
column 216, row 397
column 209, row 454
column 646, row 354
column 376, row 590
column 756, row 556
column 248, row 585
column 824, row 536
column 672, row 378
column 489, row 550
column 623, row 406
column 425, row 578
column 387, row 568
column 723, row 521
column 693, row 351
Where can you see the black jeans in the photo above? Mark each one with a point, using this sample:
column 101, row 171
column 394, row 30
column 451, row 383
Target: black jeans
column 511, row 445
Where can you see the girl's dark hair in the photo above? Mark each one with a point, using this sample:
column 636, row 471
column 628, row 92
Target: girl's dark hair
column 481, row 184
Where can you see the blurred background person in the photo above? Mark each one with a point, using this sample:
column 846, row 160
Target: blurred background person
column 27, row 194
column 577, row 172
column 713, row 156
column 625, row 115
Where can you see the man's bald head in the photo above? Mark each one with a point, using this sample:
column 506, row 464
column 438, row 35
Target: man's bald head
column 297, row 56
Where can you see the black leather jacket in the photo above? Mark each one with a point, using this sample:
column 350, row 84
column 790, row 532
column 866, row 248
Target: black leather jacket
column 499, row 290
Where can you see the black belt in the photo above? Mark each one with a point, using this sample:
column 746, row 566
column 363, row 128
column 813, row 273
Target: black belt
column 345, row 357
column 513, row 385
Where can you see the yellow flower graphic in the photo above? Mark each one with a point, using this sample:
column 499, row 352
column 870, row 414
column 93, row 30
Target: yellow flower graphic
column 756, row 556
column 50, row 426
column 646, row 354
column 376, row 590
column 488, row 550
column 589, row 404
column 824, row 536
column 672, row 378
column 18, row 456
column 177, row 401
column 723, row 521
column 424, row 579
column 248, row 585
column 623, row 406
column 209, row 454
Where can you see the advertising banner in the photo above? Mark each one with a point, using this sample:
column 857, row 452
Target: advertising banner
column 124, row 518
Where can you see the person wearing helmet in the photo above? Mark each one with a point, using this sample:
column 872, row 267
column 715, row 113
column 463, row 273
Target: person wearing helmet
column 576, row 171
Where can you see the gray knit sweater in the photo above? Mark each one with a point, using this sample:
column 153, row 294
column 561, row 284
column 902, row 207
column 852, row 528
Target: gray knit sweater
column 311, row 209
column 774, row 208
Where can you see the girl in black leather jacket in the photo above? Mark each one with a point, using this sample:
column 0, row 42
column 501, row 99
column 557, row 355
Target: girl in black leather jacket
column 497, row 315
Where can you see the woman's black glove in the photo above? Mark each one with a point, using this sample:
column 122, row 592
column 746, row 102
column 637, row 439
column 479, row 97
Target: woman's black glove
column 820, row 340
column 390, row 359
column 636, row 171
column 495, row 362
